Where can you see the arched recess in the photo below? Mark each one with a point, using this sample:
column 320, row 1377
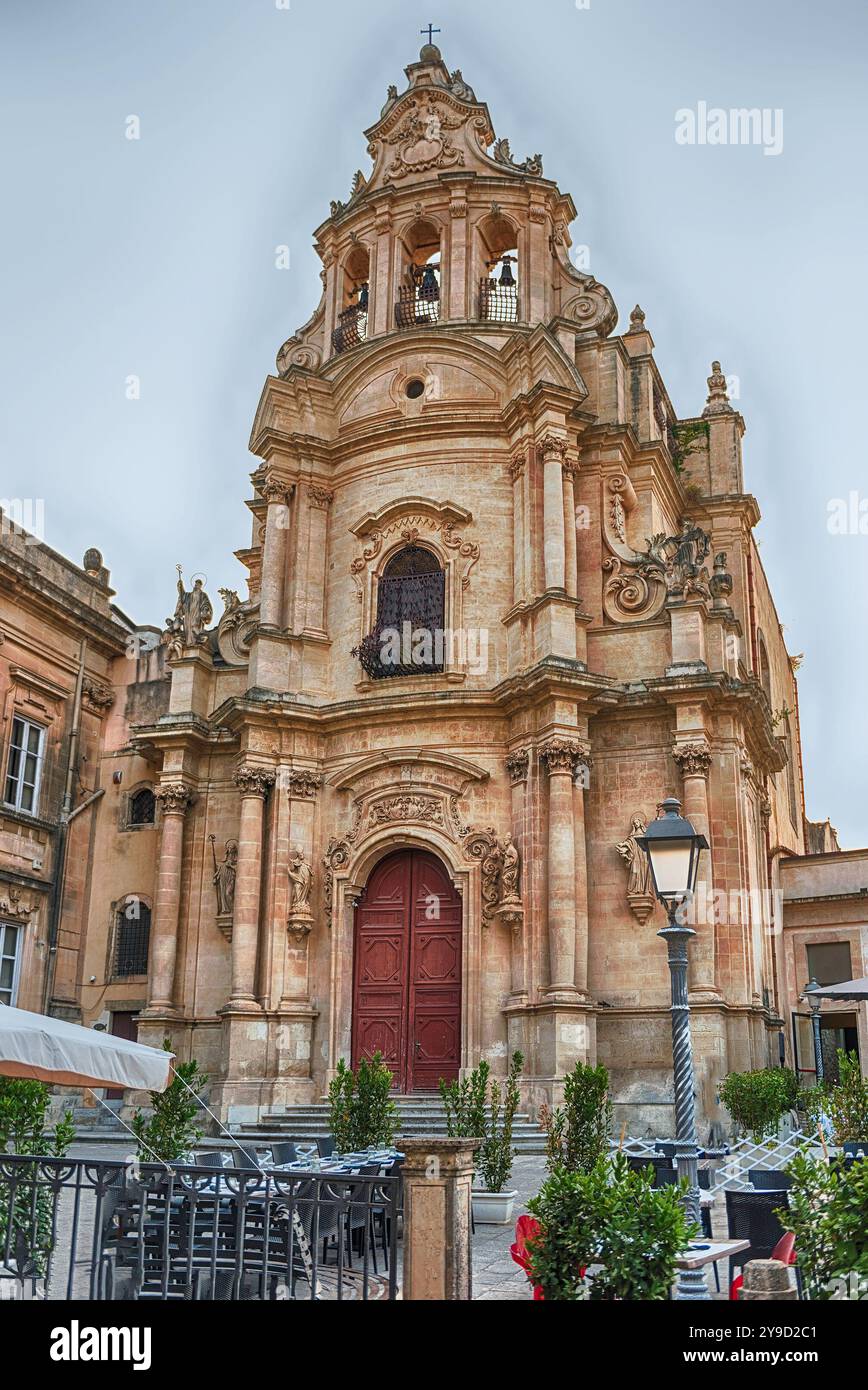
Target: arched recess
column 354, row 289
column 419, row 274
column 408, row 637
column 349, row 883
column 499, row 262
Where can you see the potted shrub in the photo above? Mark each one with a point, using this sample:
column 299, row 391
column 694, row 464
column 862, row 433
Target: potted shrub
column 169, row 1133
column 477, row 1108
column 31, row 1210
column 361, row 1110
column 577, row 1133
column 611, row 1218
column 758, row 1100
column 828, row 1213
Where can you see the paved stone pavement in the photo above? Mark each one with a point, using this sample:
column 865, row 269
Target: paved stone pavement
column 495, row 1275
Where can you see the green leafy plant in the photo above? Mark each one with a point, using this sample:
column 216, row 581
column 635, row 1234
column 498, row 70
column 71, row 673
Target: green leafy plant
column 577, row 1132
column 758, row 1100
column 169, row 1132
column 847, row 1103
column 611, row 1217
column 495, row 1154
column 28, row 1205
column 477, row 1108
column 828, row 1212
column 361, row 1109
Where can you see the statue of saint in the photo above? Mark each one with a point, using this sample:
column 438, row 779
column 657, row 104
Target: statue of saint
column 193, row 612
column 510, row 870
column 639, row 880
column 301, row 878
column 224, row 877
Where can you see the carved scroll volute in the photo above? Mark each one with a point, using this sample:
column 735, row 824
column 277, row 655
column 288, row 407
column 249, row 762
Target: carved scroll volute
column 483, row 847
column 636, row 587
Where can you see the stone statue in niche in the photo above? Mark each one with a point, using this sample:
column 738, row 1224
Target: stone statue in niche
column 639, row 891
column 301, row 878
column 510, row 871
column 225, row 874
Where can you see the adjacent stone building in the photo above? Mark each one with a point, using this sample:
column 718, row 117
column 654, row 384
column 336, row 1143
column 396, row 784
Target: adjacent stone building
column 501, row 601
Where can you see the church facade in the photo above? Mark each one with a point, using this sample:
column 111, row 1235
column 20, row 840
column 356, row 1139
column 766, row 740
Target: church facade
column 501, row 601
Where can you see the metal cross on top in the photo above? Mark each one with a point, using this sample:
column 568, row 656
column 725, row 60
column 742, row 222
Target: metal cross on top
column 430, row 31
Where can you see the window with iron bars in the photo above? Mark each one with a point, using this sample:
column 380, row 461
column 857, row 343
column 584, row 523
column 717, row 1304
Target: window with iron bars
column 419, row 299
column 409, row 636
column 132, row 939
column 498, row 298
column 352, row 329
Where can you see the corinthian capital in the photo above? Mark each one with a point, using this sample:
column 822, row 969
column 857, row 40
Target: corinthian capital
column 552, row 446
column 564, row 754
column 694, row 759
column 276, row 491
column 254, row 781
column 175, row 797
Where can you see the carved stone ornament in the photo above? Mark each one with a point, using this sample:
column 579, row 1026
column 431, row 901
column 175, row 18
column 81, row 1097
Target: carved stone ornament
column 641, row 582
column 13, row 906
column 429, row 810
column 640, row 895
column 300, row 874
column 561, row 755
column 720, row 583
column 301, row 783
column 96, row 695
column 409, row 527
column 275, row 491
column 718, row 399
column 175, row 797
column 422, row 140
column 500, row 862
column 336, row 857
column 532, row 165
column 552, row 446
column 235, row 630
column 225, row 874
column 254, row 781
column 517, row 765
column 193, row 613
column 694, row 759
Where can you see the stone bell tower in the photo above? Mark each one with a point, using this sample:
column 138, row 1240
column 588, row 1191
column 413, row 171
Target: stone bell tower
column 481, row 642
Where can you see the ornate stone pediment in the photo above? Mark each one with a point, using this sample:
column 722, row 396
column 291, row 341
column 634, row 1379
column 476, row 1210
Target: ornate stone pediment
column 641, row 581
column 410, row 520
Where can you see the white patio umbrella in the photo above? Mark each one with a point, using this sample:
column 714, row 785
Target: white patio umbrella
column 848, row 989
column 48, row 1049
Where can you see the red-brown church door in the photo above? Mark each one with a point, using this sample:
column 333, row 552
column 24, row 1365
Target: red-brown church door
column 407, row 971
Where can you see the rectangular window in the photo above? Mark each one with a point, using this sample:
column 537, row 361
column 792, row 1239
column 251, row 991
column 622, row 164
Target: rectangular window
column 24, row 769
column 10, row 938
column 829, row 962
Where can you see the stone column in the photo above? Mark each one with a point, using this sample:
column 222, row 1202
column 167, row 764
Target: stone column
column 553, row 450
column 174, row 798
column 277, row 495
column 569, row 504
column 694, row 759
column 580, row 782
column 302, row 786
column 438, row 1176
column 517, row 765
column 319, row 500
column 560, row 757
column 253, row 784
column 516, row 473
column 457, row 308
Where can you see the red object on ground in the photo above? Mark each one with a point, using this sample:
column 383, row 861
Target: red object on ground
column 785, row 1251
column 526, row 1228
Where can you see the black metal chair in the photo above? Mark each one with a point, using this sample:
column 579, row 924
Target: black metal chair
column 326, row 1146
column 284, row 1152
column 751, row 1216
column 769, row 1179
column 209, row 1158
column 244, row 1158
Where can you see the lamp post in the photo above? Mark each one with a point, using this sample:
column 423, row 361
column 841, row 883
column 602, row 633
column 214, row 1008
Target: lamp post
column 814, row 1004
column 673, row 848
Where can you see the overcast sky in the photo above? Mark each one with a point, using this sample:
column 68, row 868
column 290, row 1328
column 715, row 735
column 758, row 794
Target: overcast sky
column 155, row 258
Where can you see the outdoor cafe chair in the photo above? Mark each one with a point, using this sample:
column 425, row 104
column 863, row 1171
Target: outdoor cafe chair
column 769, row 1179
column 283, row 1152
column 785, row 1251
column 751, row 1216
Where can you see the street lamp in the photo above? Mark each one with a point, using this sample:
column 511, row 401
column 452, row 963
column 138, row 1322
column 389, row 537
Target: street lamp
column 815, row 1004
column 673, row 848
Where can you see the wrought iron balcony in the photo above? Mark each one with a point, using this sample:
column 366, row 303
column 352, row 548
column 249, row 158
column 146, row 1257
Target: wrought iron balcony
column 419, row 299
column 498, row 303
column 352, row 327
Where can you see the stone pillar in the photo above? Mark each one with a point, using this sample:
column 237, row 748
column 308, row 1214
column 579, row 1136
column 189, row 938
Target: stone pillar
column 553, row 450
column 516, row 473
column 457, row 306
column 517, row 765
column 277, row 495
column 768, row 1281
column 694, row 759
column 580, row 782
column 438, row 1176
column 569, row 505
column 560, row 757
column 174, row 798
column 253, row 784
column 319, row 500
column 381, row 308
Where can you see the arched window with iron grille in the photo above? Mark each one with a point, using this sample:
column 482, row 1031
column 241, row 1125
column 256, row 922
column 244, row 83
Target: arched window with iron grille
column 141, row 807
column 132, row 938
column 410, row 632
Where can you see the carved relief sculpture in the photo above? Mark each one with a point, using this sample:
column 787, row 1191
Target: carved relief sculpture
column 193, row 613
column 300, row 875
column 639, row 892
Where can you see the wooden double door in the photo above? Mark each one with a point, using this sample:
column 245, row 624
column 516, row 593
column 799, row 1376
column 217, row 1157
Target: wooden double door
column 407, row 971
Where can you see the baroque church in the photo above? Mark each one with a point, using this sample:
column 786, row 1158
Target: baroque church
column 501, row 601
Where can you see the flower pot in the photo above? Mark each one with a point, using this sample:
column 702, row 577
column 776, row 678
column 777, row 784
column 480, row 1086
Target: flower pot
column 492, row 1208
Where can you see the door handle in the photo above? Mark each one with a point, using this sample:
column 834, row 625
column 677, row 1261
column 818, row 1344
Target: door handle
column 418, row 1046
